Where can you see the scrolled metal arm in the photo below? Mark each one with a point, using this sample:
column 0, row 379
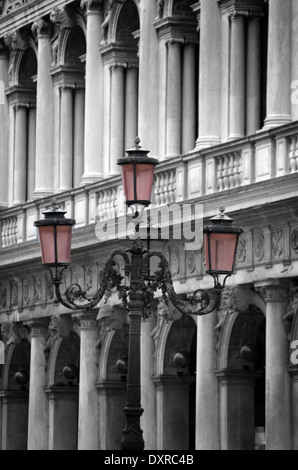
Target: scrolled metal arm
column 109, row 278
column 200, row 303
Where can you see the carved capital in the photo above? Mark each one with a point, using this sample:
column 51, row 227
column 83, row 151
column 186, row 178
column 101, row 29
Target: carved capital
column 87, row 321
column 38, row 327
column 273, row 292
column 41, row 27
column 92, row 5
column 13, row 333
column 16, row 41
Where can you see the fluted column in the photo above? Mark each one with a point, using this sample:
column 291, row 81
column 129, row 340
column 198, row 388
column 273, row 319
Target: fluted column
column 38, row 420
column 207, row 419
column 20, row 155
column 66, row 139
column 78, row 151
column 31, row 151
column 279, row 64
column 237, row 77
column 189, row 98
column 3, row 127
column 253, row 82
column 278, row 407
column 44, row 113
column 174, row 99
column 210, row 75
column 88, row 438
column 117, row 117
column 131, row 106
column 148, row 78
column 93, row 152
column 148, row 389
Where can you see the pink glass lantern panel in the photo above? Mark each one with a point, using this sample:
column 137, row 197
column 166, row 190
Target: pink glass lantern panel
column 47, row 242
column 222, row 251
column 144, row 181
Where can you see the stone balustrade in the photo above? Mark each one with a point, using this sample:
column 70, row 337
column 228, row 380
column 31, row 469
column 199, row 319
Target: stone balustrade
column 232, row 166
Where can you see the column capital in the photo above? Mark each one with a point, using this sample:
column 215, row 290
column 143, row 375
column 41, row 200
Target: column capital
column 273, row 291
column 41, row 28
column 21, row 105
column 86, row 320
column 92, row 6
column 38, row 327
column 175, row 41
column 118, row 65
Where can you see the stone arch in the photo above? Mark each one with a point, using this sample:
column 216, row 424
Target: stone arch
column 64, row 351
column 114, row 348
column 25, row 67
column 17, row 358
column 73, row 45
column 124, row 21
column 14, row 396
column 244, row 298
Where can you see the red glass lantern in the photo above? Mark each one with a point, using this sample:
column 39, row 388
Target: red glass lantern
column 55, row 237
column 137, row 175
column 221, row 239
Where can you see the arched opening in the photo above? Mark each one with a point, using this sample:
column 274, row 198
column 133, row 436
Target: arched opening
column 242, row 383
column 15, row 397
column 63, row 395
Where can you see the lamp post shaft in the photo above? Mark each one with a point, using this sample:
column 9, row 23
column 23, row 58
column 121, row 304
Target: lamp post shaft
column 132, row 433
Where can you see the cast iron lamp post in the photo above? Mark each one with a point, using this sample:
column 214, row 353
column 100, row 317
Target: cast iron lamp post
column 220, row 243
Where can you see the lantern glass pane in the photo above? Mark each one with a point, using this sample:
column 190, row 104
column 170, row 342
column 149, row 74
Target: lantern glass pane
column 222, row 251
column 47, row 243
column 64, row 243
column 144, row 181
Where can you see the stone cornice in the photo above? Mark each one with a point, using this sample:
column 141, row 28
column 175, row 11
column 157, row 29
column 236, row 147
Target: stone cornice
column 175, row 28
column 28, row 13
column 253, row 7
column 67, row 75
column 116, row 53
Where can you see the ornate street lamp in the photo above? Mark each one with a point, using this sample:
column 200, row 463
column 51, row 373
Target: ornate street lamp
column 55, row 232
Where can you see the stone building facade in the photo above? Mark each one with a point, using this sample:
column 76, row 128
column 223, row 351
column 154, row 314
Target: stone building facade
column 210, row 88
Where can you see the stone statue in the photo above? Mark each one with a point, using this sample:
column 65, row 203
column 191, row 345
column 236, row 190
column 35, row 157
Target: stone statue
column 105, row 25
column 63, row 18
column 160, row 9
column 59, row 327
column 228, row 305
column 288, row 318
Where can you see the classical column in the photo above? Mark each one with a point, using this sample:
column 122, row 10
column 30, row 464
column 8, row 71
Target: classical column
column 207, row 418
column 294, row 64
column 148, row 78
column 237, row 76
column 174, row 99
column 148, row 389
column 78, row 150
column 253, row 74
column 93, row 151
column 38, row 421
column 66, row 139
column 131, row 106
column 225, row 76
column 279, row 64
column 31, row 151
column 278, row 407
column 237, row 409
column 172, row 409
column 20, row 153
column 44, row 113
column 210, row 75
column 3, row 127
column 162, row 97
column 117, row 117
column 189, row 98
column 88, row 438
